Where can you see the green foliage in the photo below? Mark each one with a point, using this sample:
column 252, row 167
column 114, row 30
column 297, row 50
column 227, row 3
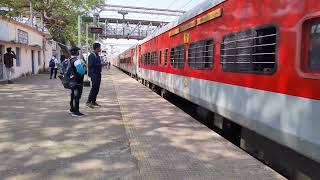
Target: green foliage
column 60, row 16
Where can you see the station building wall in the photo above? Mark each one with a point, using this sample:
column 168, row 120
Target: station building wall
column 31, row 46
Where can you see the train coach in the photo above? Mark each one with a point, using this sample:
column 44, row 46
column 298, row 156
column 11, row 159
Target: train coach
column 256, row 64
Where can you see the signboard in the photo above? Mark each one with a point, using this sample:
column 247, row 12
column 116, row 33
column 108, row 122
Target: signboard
column 186, row 38
column 96, row 30
column 210, row 16
column 23, row 37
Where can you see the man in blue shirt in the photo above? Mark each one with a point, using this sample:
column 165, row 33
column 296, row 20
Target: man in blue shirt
column 95, row 68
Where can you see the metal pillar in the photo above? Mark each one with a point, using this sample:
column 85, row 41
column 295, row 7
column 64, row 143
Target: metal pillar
column 79, row 36
column 87, row 82
column 31, row 14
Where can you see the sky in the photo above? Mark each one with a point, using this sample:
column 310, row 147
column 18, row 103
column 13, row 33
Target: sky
column 161, row 4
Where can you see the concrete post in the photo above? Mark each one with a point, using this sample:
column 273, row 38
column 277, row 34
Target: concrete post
column 31, row 14
column 87, row 45
column 79, row 36
column 87, row 82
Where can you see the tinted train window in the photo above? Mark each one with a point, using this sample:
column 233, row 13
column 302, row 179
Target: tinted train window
column 160, row 58
column 200, row 54
column 314, row 47
column 141, row 57
column 250, row 51
column 177, row 57
column 166, row 56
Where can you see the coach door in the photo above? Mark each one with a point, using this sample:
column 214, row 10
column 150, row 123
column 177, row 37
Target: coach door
column 32, row 61
column 1, row 61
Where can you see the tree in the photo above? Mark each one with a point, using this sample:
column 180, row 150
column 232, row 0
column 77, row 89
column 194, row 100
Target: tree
column 60, row 16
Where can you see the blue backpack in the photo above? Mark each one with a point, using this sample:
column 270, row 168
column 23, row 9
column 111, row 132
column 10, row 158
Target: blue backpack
column 67, row 75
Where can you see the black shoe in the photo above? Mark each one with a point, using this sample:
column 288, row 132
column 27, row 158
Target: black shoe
column 77, row 114
column 10, row 82
column 50, row 77
column 89, row 105
column 70, row 111
column 96, row 104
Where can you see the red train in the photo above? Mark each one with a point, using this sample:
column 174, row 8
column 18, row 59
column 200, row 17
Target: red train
column 257, row 64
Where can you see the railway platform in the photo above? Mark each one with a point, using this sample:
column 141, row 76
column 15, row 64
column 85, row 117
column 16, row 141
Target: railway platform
column 136, row 134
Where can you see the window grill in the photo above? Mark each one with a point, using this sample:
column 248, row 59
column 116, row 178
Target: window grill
column 148, row 58
column 250, row 51
column 177, row 56
column 125, row 60
column 200, row 54
column 154, row 58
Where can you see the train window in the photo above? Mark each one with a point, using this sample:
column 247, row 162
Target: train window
column 160, row 58
column 141, row 59
column 163, row 57
column 314, row 47
column 250, row 51
column 177, row 56
column 128, row 60
column 154, row 58
column 200, row 54
column 148, row 58
column 166, row 56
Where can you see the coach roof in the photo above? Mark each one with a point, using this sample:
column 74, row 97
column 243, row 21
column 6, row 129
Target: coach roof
column 208, row 4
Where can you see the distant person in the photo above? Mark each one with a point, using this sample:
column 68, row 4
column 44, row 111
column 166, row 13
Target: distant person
column 77, row 71
column 8, row 62
column 94, row 68
column 53, row 64
column 109, row 64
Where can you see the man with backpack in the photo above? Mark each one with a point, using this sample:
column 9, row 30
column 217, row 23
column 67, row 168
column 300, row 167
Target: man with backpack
column 8, row 62
column 75, row 72
column 95, row 68
column 53, row 64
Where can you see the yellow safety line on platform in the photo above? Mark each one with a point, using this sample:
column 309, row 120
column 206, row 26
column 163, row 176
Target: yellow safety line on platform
column 138, row 149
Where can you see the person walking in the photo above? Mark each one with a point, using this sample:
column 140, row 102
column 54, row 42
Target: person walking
column 53, row 64
column 77, row 70
column 95, row 68
column 8, row 62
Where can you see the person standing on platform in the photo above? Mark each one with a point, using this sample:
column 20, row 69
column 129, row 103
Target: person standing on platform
column 53, row 64
column 78, row 71
column 8, row 62
column 95, row 68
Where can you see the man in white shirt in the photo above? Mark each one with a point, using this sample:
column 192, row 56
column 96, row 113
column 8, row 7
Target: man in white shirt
column 54, row 64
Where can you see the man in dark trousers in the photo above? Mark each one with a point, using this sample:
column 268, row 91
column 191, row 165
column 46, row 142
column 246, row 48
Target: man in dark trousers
column 54, row 64
column 78, row 72
column 95, row 68
column 8, row 62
